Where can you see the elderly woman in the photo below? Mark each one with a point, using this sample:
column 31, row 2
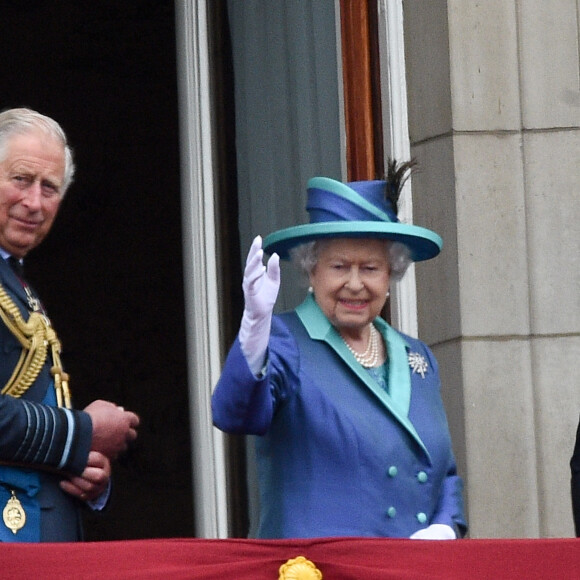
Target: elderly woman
column 353, row 437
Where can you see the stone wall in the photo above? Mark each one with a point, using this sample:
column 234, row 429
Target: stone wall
column 494, row 113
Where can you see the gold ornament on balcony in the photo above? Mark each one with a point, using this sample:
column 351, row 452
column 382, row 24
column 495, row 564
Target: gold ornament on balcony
column 299, row 569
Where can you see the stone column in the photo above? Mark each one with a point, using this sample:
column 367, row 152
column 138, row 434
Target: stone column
column 494, row 114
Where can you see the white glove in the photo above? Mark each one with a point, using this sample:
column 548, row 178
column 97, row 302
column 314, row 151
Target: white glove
column 260, row 287
column 435, row 532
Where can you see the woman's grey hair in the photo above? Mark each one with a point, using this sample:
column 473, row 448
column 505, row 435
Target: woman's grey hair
column 305, row 257
column 22, row 121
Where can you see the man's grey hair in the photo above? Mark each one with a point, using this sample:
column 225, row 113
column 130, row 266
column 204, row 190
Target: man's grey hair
column 22, row 121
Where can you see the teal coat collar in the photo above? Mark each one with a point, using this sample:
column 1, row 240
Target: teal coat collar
column 399, row 399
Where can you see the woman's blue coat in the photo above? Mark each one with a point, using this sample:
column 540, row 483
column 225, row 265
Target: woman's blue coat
column 336, row 454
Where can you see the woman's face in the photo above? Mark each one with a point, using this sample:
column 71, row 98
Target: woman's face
column 350, row 281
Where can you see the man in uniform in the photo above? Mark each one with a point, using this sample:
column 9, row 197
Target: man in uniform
column 52, row 458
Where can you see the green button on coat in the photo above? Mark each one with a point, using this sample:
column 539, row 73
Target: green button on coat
column 393, row 471
column 422, row 477
column 421, row 518
column 391, row 512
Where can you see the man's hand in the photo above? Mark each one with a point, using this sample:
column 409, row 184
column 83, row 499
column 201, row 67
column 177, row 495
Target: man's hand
column 93, row 481
column 113, row 428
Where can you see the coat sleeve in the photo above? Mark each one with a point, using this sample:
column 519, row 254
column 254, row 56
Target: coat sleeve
column 244, row 403
column 31, row 432
column 450, row 506
column 450, row 510
column 44, row 436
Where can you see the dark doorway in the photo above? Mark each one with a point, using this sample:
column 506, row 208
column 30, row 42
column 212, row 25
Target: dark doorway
column 110, row 272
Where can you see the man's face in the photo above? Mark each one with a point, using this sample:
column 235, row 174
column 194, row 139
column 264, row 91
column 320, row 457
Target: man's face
column 31, row 183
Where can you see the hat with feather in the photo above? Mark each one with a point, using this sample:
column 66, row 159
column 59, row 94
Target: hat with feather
column 359, row 209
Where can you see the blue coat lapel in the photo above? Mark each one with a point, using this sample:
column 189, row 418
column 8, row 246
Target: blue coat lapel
column 398, row 403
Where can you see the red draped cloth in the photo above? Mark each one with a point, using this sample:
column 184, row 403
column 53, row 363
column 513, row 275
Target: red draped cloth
column 335, row 558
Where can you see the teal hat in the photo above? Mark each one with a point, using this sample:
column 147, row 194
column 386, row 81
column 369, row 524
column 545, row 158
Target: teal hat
column 359, row 209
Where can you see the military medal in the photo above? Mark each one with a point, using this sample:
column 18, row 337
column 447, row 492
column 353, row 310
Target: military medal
column 14, row 515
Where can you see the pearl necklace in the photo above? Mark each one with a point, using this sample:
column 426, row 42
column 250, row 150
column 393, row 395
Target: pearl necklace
column 370, row 357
